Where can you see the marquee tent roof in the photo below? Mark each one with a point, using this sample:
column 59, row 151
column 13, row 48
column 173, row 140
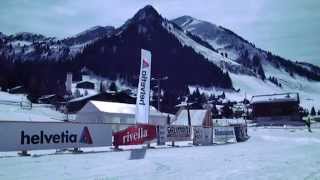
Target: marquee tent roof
column 121, row 108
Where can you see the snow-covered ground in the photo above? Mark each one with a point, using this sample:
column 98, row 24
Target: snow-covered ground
column 268, row 154
column 11, row 109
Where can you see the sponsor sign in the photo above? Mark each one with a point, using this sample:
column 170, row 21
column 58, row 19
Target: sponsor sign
column 161, row 135
column 224, row 134
column 138, row 154
column 143, row 96
column 202, row 136
column 178, row 133
column 16, row 136
column 138, row 134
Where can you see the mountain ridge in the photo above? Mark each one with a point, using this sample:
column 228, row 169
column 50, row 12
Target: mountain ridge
column 185, row 49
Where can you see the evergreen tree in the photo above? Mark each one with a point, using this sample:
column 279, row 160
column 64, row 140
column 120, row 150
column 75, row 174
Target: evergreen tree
column 313, row 111
column 196, row 95
column 102, row 87
column 228, row 81
column 77, row 93
column 261, row 72
column 214, row 112
column 223, row 95
column 227, row 111
column 113, row 87
column 256, row 62
column 203, row 99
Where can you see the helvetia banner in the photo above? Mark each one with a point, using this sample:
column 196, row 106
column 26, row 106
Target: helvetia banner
column 16, row 136
column 142, row 112
column 138, row 134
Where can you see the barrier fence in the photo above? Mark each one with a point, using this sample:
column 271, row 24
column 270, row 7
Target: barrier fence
column 26, row 136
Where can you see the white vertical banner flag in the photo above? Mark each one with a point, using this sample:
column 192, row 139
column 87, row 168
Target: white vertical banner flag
column 143, row 96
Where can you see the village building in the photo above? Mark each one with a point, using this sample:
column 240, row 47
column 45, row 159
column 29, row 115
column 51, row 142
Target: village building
column 276, row 109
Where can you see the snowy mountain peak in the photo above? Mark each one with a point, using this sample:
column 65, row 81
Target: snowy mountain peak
column 185, row 21
column 146, row 13
column 95, row 29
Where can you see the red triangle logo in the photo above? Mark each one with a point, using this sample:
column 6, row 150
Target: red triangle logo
column 145, row 64
column 85, row 136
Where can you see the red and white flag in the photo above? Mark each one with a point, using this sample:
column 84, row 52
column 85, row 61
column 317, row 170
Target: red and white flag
column 143, row 95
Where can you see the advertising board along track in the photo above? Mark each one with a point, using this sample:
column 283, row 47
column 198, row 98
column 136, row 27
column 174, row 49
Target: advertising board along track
column 23, row 136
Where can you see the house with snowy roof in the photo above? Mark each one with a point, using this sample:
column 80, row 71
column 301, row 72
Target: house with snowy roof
column 276, row 109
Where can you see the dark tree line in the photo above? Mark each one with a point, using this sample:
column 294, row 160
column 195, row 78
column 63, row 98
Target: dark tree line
column 254, row 63
column 275, row 81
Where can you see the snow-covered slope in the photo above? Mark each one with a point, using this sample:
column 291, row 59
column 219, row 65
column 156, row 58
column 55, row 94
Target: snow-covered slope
column 89, row 35
column 29, row 46
column 248, row 86
column 238, row 49
column 206, row 52
column 220, row 38
column 293, row 76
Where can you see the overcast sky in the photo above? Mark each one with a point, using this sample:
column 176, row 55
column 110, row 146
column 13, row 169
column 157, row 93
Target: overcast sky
column 290, row 28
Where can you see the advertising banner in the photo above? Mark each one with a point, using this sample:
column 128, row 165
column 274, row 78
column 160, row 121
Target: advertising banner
column 17, row 136
column 202, row 136
column 161, row 135
column 224, row 134
column 143, row 96
column 133, row 135
column 178, row 133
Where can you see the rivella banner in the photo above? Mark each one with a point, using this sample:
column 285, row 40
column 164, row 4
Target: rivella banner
column 178, row 133
column 138, row 134
column 202, row 136
column 17, row 136
column 224, row 134
column 143, row 96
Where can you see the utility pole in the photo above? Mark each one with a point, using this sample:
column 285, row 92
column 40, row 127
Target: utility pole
column 158, row 80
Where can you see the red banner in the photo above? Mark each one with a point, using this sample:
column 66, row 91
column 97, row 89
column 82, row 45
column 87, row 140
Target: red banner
column 133, row 135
